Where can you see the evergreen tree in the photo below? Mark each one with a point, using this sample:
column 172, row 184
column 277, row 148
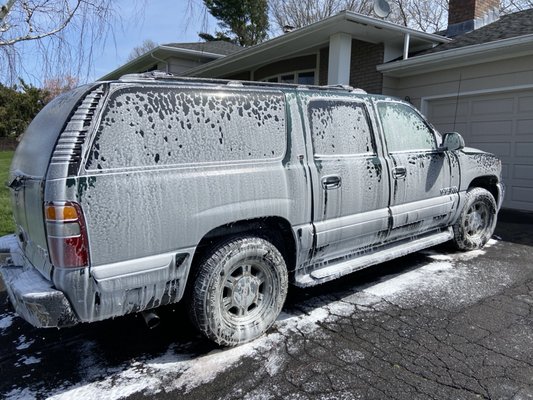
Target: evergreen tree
column 244, row 22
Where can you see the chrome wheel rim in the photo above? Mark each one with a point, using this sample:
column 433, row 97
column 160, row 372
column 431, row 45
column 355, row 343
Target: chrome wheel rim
column 246, row 291
column 477, row 220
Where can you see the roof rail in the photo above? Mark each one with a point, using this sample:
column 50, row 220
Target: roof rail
column 165, row 76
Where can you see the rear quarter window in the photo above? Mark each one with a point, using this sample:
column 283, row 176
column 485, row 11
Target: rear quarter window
column 167, row 126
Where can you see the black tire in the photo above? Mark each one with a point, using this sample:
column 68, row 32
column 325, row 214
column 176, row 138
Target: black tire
column 477, row 221
column 238, row 291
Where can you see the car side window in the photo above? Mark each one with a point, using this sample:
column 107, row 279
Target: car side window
column 340, row 128
column 404, row 129
column 173, row 126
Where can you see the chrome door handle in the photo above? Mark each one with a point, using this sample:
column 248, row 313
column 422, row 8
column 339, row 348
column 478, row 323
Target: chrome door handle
column 331, row 182
column 399, row 172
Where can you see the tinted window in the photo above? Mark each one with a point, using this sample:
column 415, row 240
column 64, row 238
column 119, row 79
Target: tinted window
column 404, row 129
column 161, row 126
column 339, row 128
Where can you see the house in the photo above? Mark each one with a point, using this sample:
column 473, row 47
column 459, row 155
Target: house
column 176, row 58
column 475, row 78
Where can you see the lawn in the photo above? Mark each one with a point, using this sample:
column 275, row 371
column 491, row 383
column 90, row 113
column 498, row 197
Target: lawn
column 6, row 216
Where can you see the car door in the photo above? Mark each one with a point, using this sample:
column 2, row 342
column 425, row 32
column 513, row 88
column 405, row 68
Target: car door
column 423, row 180
column 350, row 186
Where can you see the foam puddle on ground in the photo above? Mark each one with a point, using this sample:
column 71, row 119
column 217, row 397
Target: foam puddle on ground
column 177, row 370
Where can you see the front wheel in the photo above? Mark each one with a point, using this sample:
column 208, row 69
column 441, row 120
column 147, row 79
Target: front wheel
column 238, row 291
column 477, row 221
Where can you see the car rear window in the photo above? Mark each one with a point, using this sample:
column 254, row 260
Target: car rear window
column 165, row 126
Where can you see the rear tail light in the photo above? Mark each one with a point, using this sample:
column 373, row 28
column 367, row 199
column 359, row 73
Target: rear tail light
column 67, row 235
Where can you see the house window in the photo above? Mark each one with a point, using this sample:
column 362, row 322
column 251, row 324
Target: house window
column 299, row 77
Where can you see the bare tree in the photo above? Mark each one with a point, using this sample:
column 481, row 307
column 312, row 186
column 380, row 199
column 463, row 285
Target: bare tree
column 298, row 13
column 60, row 35
column 510, row 6
column 427, row 16
column 142, row 49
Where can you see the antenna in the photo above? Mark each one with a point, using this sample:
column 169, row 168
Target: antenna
column 382, row 8
column 457, row 101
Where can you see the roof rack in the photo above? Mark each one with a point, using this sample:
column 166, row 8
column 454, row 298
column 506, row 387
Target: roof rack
column 165, row 76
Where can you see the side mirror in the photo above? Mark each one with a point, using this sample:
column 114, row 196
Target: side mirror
column 452, row 141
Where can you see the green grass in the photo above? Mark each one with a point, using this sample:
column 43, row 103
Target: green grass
column 6, row 216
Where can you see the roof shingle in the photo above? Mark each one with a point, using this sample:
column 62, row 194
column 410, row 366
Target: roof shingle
column 508, row 26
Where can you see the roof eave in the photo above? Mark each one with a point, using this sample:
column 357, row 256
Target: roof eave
column 462, row 56
column 310, row 29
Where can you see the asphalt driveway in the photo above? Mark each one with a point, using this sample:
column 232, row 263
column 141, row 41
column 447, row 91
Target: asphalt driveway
column 434, row 325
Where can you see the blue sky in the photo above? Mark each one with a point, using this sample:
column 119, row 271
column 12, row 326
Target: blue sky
column 163, row 21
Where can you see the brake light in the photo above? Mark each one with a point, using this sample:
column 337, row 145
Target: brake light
column 67, row 235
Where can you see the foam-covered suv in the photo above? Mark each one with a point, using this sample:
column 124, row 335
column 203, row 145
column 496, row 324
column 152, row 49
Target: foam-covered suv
column 152, row 189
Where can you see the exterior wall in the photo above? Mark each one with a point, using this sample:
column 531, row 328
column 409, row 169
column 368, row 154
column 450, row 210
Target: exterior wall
column 364, row 60
column 363, row 73
column 323, row 60
column 510, row 74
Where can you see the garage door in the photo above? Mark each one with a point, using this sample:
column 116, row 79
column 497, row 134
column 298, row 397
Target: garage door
column 498, row 123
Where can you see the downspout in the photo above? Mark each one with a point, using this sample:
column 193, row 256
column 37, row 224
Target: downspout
column 406, row 40
column 160, row 60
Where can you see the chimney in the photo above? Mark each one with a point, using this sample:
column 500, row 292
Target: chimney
column 467, row 15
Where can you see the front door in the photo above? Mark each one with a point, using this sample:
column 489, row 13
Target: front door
column 424, row 182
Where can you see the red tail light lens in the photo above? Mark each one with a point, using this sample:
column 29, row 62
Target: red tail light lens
column 67, row 235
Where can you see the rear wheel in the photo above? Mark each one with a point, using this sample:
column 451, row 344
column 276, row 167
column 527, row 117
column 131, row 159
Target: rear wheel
column 238, row 291
column 477, row 221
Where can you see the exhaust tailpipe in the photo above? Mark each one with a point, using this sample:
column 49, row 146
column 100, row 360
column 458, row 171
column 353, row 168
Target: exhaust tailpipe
column 151, row 319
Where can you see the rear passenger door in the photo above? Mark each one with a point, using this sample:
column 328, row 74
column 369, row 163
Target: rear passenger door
column 424, row 182
column 351, row 188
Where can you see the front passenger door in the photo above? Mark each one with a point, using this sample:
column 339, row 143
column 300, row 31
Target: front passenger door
column 422, row 176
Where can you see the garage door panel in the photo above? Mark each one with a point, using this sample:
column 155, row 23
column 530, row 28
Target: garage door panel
column 449, row 107
column 449, row 127
column 525, row 104
column 500, row 149
column 499, row 123
column 524, row 127
column 524, row 172
column 523, row 149
column 523, row 194
column 492, row 106
column 484, row 128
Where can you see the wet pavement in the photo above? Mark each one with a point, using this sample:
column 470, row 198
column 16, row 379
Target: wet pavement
column 433, row 325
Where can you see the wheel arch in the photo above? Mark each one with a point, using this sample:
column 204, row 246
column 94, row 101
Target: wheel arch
column 276, row 230
column 489, row 183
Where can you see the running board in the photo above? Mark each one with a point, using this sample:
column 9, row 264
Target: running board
column 386, row 253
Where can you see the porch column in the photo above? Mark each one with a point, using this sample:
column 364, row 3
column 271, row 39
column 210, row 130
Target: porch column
column 340, row 53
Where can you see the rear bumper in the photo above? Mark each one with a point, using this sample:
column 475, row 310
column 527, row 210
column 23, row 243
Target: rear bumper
column 33, row 297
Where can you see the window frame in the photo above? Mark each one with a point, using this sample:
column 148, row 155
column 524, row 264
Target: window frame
column 181, row 165
column 296, row 74
column 436, row 135
column 366, row 112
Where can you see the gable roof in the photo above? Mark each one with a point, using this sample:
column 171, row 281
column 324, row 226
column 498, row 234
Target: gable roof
column 309, row 38
column 207, row 51
column 215, row 47
column 510, row 36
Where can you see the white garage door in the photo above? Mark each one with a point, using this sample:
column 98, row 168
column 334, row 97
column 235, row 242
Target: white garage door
column 498, row 123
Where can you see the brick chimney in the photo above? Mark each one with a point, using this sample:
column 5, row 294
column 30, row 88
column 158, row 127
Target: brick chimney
column 467, row 15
